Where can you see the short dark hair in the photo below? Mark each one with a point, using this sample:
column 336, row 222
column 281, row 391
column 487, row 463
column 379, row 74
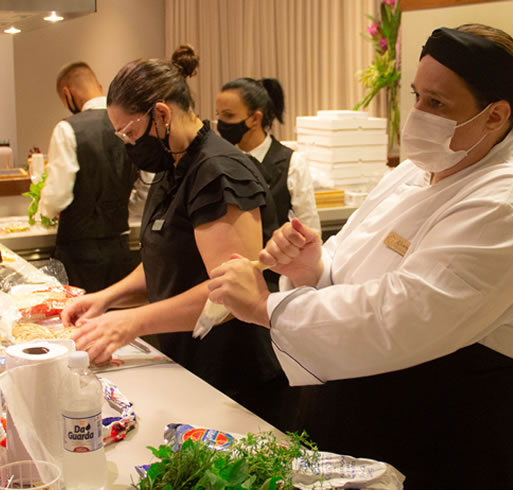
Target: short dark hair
column 71, row 72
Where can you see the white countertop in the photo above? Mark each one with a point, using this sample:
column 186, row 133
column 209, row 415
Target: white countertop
column 39, row 237
column 168, row 393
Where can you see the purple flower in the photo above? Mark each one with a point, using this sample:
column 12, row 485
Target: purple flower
column 383, row 44
column 373, row 29
column 390, row 3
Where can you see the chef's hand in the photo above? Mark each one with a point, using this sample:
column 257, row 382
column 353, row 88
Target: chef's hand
column 104, row 334
column 241, row 287
column 294, row 251
column 82, row 308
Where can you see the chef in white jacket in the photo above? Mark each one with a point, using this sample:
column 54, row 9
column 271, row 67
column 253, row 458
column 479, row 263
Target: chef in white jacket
column 411, row 303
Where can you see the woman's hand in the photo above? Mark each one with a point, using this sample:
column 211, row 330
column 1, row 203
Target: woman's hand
column 294, row 251
column 241, row 287
column 104, row 334
column 82, row 308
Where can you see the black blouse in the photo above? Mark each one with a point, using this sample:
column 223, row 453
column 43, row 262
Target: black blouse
column 213, row 173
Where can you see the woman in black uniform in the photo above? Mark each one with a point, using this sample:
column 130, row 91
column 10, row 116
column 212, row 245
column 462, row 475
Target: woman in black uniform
column 246, row 110
column 207, row 202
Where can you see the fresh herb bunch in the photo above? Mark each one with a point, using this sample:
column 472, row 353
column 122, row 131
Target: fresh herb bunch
column 35, row 195
column 257, row 461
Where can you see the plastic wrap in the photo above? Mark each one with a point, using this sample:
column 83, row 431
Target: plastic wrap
column 32, row 300
column 15, row 271
column 329, row 470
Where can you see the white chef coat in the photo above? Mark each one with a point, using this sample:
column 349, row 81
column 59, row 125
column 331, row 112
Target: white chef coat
column 299, row 184
column 374, row 310
column 63, row 166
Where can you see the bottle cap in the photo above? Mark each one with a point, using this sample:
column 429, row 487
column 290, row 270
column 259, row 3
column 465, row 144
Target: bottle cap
column 78, row 359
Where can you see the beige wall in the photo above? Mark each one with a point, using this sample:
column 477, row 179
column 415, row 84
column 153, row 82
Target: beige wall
column 7, row 106
column 417, row 25
column 120, row 31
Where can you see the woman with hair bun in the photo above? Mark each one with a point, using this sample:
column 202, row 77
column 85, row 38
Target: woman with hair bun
column 207, row 201
column 246, row 109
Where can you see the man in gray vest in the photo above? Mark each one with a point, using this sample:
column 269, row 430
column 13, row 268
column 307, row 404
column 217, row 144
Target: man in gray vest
column 90, row 178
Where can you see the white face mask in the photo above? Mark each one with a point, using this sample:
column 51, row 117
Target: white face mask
column 426, row 139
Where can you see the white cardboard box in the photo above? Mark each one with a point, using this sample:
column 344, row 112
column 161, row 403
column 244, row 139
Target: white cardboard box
column 364, row 153
column 350, row 170
column 344, row 114
column 326, row 137
column 314, row 122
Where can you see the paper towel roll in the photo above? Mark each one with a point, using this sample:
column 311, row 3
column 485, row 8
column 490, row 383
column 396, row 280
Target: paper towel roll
column 31, row 387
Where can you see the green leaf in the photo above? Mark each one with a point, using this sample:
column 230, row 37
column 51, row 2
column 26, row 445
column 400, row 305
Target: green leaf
column 254, row 461
column 211, row 481
column 155, row 470
column 270, row 484
column 236, row 473
column 248, row 483
column 48, row 222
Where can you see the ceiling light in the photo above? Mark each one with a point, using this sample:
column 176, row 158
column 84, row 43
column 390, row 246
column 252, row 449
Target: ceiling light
column 53, row 17
column 12, row 30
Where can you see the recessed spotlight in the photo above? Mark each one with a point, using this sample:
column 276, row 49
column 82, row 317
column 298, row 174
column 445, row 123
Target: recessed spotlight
column 53, row 17
column 12, row 30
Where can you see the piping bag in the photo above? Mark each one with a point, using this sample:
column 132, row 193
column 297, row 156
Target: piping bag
column 213, row 313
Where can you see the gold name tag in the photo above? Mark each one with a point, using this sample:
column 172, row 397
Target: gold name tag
column 397, row 243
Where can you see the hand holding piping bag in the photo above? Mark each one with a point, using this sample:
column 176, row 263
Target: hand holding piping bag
column 294, row 250
column 213, row 313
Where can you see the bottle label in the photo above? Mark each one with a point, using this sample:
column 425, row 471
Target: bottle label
column 83, row 434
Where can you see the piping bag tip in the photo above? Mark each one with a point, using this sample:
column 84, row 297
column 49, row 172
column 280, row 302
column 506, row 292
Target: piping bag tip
column 213, row 313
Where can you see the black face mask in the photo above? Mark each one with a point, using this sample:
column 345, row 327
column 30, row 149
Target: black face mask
column 72, row 108
column 151, row 154
column 233, row 132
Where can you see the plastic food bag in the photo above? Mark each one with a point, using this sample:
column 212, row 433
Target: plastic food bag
column 38, row 303
column 330, row 470
column 9, row 315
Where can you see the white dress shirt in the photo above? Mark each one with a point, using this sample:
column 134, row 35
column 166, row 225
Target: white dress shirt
column 375, row 310
column 299, row 184
column 63, row 166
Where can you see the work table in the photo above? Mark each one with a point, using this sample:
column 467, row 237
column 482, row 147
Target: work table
column 38, row 242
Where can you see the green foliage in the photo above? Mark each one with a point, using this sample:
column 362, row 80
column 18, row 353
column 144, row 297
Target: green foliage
column 257, row 461
column 34, row 194
column 384, row 73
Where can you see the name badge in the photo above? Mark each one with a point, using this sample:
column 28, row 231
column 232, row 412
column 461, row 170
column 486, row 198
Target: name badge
column 158, row 224
column 397, row 243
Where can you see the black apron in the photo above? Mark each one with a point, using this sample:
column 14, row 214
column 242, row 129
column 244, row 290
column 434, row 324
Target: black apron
column 446, row 424
column 235, row 357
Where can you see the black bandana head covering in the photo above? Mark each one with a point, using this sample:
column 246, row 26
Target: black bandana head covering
column 482, row 63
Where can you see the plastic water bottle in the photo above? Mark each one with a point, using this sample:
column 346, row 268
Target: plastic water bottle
column 84, row 463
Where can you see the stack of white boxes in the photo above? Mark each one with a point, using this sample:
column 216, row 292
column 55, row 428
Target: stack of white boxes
column 345, row 150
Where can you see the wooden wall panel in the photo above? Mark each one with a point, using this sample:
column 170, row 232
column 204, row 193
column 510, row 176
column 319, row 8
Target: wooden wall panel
column 431, row 4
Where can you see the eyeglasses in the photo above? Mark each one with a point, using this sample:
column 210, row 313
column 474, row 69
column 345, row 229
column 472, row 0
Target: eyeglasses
column 123, row 135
